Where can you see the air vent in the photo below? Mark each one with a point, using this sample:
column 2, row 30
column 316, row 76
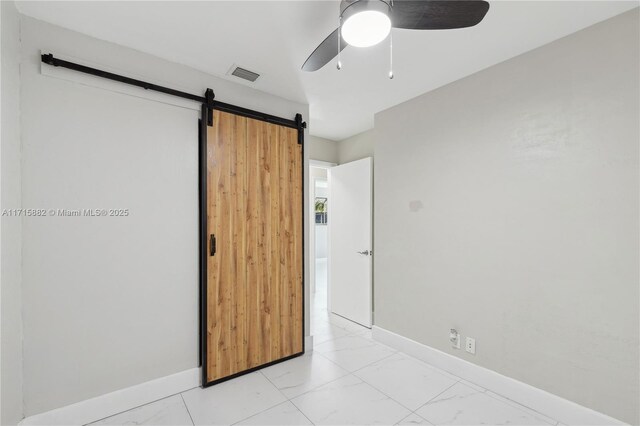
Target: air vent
column 245, row 74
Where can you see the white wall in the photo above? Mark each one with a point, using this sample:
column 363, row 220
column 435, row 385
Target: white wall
column 111, row 302
column 356, row 147
column 323, row 149
column 507, row 207
column 10, row 227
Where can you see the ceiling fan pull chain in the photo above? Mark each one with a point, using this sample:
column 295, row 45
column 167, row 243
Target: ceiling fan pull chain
column 391, row 55
column 339, row 64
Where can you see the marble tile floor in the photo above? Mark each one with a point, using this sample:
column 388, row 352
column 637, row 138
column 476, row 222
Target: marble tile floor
column 347, row 379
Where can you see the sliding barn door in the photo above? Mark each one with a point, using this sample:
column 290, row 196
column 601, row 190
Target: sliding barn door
column 254, row 291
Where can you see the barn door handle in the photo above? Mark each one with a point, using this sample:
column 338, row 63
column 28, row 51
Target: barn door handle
column 212, row 244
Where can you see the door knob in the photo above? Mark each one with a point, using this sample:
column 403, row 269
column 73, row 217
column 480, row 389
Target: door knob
column 366, row 252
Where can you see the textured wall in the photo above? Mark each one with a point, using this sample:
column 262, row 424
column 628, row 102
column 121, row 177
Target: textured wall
column 322, row 149
column 10, row 227
column 506, row 206
column 356, row 147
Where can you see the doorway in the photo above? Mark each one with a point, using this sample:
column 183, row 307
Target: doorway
column 321, row 202
column 318, row 236
column 341, row 248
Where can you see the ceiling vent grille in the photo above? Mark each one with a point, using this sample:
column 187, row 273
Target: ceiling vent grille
column 245, row 74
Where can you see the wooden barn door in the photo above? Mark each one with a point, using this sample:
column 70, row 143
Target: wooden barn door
column 254, row 269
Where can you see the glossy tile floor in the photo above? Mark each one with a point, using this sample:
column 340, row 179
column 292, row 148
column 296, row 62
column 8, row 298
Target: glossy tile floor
column 347, row 379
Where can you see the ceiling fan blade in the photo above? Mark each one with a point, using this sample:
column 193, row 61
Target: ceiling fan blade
column 325, row 52
column 437, row 14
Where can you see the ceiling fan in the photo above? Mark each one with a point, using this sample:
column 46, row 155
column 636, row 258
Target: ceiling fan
column 365, row 23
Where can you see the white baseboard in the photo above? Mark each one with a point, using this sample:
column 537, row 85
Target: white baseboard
column 112, row 403
column 116, row 402
column 565, row 411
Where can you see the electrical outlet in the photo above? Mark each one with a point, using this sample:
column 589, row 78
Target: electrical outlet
column 454, row 338
column 470, row 345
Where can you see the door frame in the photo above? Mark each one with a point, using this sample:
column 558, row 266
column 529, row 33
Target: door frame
column 206, row 119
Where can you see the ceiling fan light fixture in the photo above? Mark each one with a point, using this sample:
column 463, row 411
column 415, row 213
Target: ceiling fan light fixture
column 366, row 23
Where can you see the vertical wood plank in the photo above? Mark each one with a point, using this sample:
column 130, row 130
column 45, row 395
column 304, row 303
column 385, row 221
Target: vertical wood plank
column 264, row 238
column 276, row 306
column 298, row 250
column 285, row 249
column 225, row 235
column 252, row 225
column 238, row 252
column 213, row 273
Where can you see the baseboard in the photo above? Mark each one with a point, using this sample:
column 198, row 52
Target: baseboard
column 112, row 403
column 567, row 412
column 106, row 405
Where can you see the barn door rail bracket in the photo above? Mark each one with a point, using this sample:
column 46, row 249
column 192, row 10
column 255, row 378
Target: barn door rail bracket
column 300, row 125
column 209, row 101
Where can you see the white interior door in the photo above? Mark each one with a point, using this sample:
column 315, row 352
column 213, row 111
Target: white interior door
column 350, row 241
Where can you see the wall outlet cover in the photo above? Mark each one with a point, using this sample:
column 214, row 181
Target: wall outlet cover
column 470, row 345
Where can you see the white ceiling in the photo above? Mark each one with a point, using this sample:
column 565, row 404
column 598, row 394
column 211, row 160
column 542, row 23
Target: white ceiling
column 275, row 37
